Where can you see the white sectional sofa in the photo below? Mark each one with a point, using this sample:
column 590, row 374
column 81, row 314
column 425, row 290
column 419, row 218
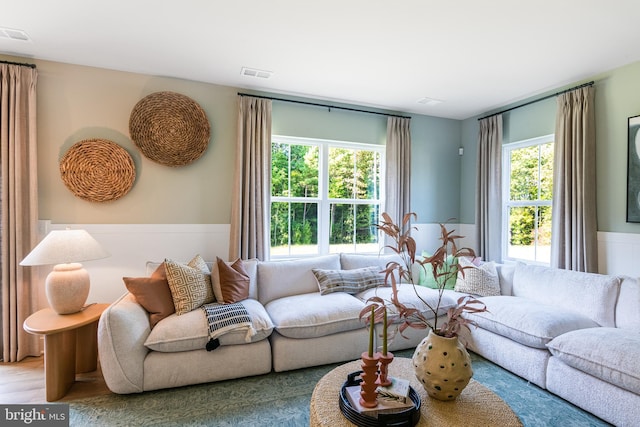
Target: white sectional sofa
column 296, row 327
column 574, row 334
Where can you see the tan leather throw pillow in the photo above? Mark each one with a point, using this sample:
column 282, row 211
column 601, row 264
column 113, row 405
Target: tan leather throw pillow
column 234, row 281
column 153, row 294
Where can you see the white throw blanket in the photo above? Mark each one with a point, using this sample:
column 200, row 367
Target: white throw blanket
column 223, row 318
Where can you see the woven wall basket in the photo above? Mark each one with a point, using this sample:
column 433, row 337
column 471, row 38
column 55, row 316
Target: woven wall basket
column 98, row 170
column 169, row 128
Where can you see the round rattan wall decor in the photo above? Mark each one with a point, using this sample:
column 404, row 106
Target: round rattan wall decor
column 169, row 128
column 97, row 170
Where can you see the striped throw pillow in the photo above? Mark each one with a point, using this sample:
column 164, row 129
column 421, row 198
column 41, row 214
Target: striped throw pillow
column 349, row 281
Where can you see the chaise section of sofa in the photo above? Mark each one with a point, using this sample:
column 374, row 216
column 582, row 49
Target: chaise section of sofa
column 573, row 333
column 590, row 363
column 544, row 303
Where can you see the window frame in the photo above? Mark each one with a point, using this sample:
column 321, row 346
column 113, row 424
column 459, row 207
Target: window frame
column 507, row 203
column 323, row 200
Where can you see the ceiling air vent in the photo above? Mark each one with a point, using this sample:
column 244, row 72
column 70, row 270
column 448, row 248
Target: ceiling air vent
column 429, row 102
column 254, row 72
column 10, row 33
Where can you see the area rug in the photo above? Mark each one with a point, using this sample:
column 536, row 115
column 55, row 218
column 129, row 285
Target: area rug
column 282, row 399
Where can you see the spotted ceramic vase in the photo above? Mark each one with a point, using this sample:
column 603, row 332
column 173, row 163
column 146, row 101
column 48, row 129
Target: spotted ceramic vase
column 443, row 366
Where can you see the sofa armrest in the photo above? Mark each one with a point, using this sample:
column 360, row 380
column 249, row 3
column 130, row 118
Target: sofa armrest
column 122, row 331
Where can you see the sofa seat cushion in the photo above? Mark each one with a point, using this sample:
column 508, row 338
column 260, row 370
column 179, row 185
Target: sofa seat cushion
column 414, row 298
column 190, row 330
column 313, row 315
column 610, row 354
column 527, row 322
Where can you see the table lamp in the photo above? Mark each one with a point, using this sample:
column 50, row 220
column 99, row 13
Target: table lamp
column 67, row 286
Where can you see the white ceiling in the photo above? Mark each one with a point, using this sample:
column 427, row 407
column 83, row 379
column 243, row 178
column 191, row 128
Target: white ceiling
column 473, row 55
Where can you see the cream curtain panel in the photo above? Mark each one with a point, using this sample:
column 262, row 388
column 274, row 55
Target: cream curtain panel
column 398, row 168
column 19, row 212
column 574, row 244
column 489, row 189
column 251, row 195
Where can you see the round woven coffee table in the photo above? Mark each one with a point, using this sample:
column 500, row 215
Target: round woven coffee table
column 477, row 405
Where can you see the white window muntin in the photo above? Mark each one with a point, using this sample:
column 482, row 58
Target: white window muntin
column 323, row 200
column 507, row 203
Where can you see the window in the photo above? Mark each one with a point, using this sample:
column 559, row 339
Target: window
column 325, row 196
column 527, row 200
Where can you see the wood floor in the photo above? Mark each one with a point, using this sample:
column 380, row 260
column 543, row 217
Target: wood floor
column 23, row 382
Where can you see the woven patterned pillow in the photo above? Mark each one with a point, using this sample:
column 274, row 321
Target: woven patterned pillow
column 349, row 281
column 190, row 284
column 478, row 280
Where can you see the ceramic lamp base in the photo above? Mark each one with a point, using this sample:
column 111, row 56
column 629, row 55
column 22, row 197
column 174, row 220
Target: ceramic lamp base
column 67, row 288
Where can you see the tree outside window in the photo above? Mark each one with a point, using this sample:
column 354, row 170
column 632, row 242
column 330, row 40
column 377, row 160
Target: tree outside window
column 325, row 196
column 527, row 207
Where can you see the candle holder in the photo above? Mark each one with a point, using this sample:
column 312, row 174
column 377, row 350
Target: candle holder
column 368, row 386
column 383, row 361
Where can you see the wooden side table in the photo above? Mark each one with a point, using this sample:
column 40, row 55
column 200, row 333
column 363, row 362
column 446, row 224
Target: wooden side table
column 70, row 345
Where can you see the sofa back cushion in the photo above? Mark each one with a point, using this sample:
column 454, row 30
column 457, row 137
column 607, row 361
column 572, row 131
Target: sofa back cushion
column 505, row 274
column 353, row 261
column 591, row 294
column 279, row 279
column 350, row 261
column 627, row 311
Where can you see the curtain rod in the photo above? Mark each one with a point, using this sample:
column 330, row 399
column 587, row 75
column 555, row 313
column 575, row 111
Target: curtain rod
column 322, row 105
column 18, row 63
column 539, row 99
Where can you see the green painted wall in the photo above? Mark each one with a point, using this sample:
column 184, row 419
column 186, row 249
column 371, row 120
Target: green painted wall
column 616, row 99
column 292, row 119
column 435, row 169
column 435, row 161
column 469, row 134
column 523, row 123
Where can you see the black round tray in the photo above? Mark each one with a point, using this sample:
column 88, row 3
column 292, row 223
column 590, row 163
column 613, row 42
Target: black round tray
column 404, row 418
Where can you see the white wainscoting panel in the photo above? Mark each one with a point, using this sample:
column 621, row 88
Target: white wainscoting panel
column 132, row 245
column 619, row 253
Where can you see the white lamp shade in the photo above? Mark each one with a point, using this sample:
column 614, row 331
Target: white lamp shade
column 65, row 246
column 67, row 286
